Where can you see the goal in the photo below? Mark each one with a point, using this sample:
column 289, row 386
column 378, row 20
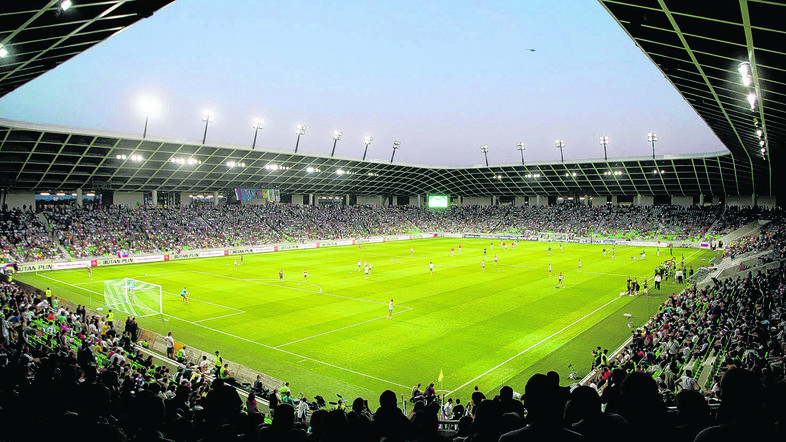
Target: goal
column 133, row 297
column 554, row 237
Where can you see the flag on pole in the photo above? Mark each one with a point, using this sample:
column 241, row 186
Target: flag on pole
column 439, row 379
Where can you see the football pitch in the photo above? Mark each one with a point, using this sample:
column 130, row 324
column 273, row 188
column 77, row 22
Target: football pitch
column 331, row 333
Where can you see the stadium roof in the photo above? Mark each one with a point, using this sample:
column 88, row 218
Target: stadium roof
column 39, row 35
column 50, row 158
column 699, row 49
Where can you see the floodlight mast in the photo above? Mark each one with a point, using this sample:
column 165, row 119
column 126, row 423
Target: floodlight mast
column 604, row 141
column 299, row 130
column 521, row 148
column 208, row 118
column 396, row 146
column 652, row 137
column 366, row 140
column 560, row 144
column 336, row 136
column 258, row 124
column 485, row 149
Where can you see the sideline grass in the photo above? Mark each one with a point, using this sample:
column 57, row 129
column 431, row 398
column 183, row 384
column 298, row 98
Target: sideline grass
column 331, row 334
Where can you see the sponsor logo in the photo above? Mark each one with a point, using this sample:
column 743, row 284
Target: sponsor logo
column 154, row 258
column 71, row 265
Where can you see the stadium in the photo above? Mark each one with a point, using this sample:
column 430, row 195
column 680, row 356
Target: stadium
column 162, row 287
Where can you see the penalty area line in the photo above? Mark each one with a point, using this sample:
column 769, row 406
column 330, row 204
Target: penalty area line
column 229, row 335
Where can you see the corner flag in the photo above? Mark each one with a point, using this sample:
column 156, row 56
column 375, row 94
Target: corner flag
column 439, row 379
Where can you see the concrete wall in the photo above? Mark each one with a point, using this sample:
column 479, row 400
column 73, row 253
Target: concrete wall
column 369, row 200
column 16, row 200
column 682, row 201
column 477, row 201
column 739, row 200
column 644, row 200
column 129, row 199
column 766, row 201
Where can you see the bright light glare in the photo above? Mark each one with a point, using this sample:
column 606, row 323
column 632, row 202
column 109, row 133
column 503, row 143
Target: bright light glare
column 65, row 4
column 752, row 100
column 3, row 51
column 745, row 72
column 149, row 105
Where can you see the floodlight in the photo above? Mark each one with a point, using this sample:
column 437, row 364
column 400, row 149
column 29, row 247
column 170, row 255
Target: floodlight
column 745, row 72
column 367, row 140
column 396, row 146
column 485, row 149
column 300, row 129
column 652, row 137
column 521, row 148
column 752, row 100
column 256, row 125
column 560, row 144
column 604, row 141
column 149, row 105
column 208, row 117
column 336, row 136
column 65, row 4
column 3, row 51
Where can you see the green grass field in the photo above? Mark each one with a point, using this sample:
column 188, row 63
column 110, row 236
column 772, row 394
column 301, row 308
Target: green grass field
column 331, row 334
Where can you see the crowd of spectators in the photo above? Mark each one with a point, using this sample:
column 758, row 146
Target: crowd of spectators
column 24, row 238
column 95, row 230
column 708, row 366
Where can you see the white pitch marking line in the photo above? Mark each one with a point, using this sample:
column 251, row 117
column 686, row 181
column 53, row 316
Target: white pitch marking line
column 532, row 346
column 239, row 312
column 304, row 358
column 341, row 328
column 163, row 291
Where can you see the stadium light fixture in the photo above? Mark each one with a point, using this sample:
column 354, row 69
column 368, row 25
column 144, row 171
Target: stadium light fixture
column 752, row 100
column 485, row 149
column 745, row 72
column 336, row 136
column 521, row 148
column 367, row 141
column 300, row 129
column 65, row 4
column 208, row 118
column 257, row 125
column 604, row 141
column 560, row 144
column 149, row 105
column 3, row 51
column 652, row 137
column 396, row 146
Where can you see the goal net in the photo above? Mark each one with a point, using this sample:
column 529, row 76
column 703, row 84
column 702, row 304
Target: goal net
column 554, row 237
column 133, row 297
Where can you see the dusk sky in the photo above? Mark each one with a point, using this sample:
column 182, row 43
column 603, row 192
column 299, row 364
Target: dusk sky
column 441, row 77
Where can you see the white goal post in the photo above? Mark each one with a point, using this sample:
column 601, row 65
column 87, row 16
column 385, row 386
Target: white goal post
column 134, row 297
